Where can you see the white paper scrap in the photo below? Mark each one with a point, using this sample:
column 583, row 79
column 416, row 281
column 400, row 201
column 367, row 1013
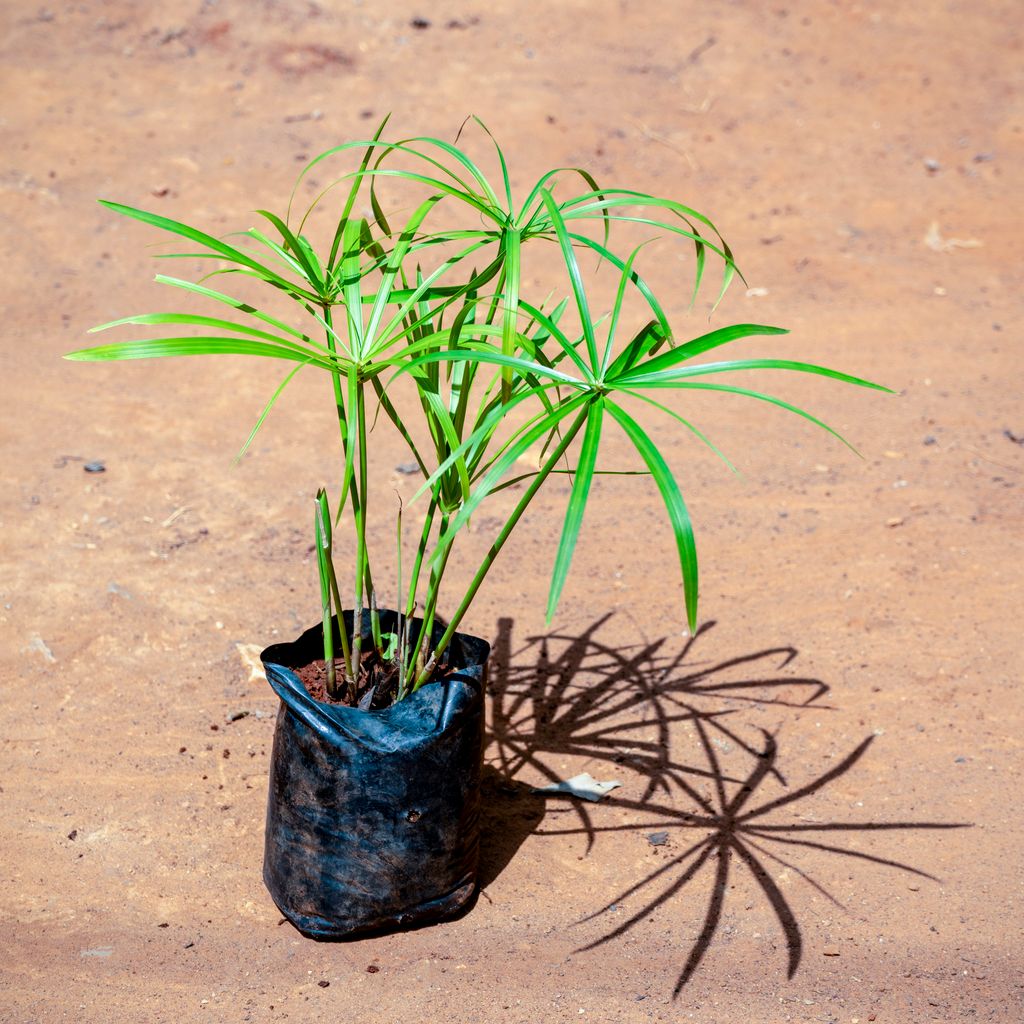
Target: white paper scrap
column 584, row 786
column 250, row 655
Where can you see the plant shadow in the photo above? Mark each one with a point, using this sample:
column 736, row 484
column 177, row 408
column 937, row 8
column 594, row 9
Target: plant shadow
column 510, row 812
column 557, row 696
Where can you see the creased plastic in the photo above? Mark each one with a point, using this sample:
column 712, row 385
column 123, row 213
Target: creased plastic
column 373, row 817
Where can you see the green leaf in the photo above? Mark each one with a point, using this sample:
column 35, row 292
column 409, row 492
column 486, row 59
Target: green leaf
column 649, row 336
column 689, row 350
column 393, row 415
column 501, row 161
column 351, row 438
column 611, row 198
column 638, row 281
column 391, row 648
column 195, row 320
column 301, row 252
column 477, row 354
column 664, row 225
column 550, row 325
column 728, row 389
column 510, row 304
column 543, row 182
column 485, row 427
column 441, row 420
column 394, row 263
column 280, row 253
column 697, row 432
column 492, row 213
column 617, row 308
column 498, row 469
column 352, row 290
column 230, row 300
column 152, row 348
column 575, row 277
column 642, row 376
column 214, row 244
column 577, row 503
column 266, row 409
column 678, row 516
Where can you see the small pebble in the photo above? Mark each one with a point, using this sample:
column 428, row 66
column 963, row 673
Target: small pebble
column 657, row 838
column 930, row 440
column 324, row 983
column 420, row 23
column 372, row 969
column 407, row 468
column 95, row 467
column 931, row 165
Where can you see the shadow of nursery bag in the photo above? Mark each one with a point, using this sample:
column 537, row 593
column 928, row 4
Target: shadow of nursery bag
column 373, row 817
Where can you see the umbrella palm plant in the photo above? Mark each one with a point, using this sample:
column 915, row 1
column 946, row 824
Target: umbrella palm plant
column 445, row 310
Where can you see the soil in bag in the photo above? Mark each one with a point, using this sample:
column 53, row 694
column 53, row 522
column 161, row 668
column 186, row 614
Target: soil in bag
column 373, row 817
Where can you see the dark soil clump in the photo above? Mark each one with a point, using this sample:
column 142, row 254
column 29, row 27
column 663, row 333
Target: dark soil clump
column 376, row 687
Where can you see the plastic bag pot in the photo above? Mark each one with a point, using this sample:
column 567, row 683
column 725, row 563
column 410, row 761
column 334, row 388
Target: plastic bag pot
column 373, row 818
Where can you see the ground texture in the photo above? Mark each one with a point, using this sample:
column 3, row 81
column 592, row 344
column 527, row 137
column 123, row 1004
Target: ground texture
column 858, row 664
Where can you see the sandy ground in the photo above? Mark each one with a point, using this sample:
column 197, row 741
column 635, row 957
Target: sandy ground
column 858, row 666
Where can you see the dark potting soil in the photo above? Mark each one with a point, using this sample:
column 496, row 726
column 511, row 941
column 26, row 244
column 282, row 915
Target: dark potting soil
column 376, row 689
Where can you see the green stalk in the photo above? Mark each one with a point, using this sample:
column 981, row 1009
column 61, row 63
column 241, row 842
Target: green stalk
column 405, row 662
column 329, row 591
column 346, row 654
column 414, row 582
column 499, row 542
column 363, row 558
column 339, row 404
column 430, row 607
column 359, row 512
column 323, row 556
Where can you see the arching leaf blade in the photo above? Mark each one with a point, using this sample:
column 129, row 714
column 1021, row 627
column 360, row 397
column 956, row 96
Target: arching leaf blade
column 706, row 369
column 155, row 348
column 747, row 393
column 627, row 366
column 266, row 409
column 696, row 431
column 679, row 517
column 229, row 300
column 577, row 503
column 202, row 238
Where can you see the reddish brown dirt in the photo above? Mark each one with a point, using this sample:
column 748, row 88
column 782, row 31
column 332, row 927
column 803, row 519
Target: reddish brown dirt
column 861, row 617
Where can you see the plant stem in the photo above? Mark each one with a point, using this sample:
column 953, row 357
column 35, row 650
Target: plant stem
column 323, row 563
column 414, row 582
column 430, row 605
column 339, row 404
column 405, row 659
column 363, row 577
column 499, row 542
